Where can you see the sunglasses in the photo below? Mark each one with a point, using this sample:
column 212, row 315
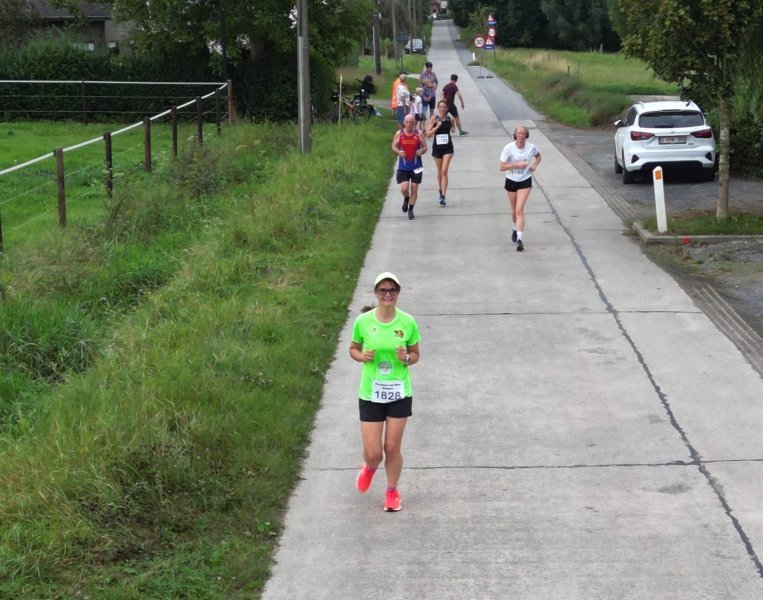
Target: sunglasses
column 385, row 291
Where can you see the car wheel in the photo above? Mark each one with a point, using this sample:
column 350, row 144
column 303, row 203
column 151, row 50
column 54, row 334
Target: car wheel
column 618, row 168
column 629, row 177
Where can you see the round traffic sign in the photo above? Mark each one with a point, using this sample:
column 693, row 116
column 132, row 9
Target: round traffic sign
column 491, row 32
column 479, row 41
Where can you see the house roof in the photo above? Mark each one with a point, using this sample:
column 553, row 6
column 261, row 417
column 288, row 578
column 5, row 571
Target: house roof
column 93, row 11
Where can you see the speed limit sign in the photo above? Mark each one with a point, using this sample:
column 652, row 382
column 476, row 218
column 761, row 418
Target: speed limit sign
column 479, row 41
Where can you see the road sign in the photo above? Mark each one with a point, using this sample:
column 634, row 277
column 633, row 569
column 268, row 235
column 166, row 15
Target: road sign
column 489, row 44
column 401, row 37
column 491, row 32
column 479, row 41
column 491, row 22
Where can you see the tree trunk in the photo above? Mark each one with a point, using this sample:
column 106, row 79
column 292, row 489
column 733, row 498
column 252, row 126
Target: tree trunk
column 724, row 165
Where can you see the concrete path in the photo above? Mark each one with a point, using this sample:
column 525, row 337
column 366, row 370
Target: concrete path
column 580, row 429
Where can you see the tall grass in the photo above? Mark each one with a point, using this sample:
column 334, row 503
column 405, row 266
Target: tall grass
column 582, row 89
column 159, row 469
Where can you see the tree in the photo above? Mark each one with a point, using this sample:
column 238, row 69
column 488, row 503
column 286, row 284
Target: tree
column 699, row 44
column 16, row 22
column 462, row 9
column 253, row 28
column 580, row 24
column 523, row 25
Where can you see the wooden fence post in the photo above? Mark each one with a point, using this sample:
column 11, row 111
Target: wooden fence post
column 230, row 101
column 217, row 111
column 147, row 143
column 174, row 112
column 199, row 120
column 83, row 100
column 109, row 164
column 61, row 184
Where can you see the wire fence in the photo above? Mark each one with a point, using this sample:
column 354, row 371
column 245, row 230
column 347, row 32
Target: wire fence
column 47, row 185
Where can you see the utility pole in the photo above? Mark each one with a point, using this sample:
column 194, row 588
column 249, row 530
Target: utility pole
column 377, row 42
column 224, row 40
column 303, row 77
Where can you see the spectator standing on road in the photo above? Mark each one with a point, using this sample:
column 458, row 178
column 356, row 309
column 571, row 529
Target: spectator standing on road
column 449, row 93
column 386, row 341
column 403, row 100
column 441, row 127
column 519, row 159
column 428, row 82
column 417, row 108
column 410, row 145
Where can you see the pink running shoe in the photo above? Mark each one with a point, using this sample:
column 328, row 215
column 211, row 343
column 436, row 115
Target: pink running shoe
column 365, row 476
column 392, row 502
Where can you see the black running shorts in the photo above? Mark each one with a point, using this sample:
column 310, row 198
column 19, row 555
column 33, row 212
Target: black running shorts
column 376, row 412
column 403, row 176
column 513, row 186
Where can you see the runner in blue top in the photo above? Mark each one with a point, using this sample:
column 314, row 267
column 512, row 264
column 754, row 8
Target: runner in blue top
column 409, row 145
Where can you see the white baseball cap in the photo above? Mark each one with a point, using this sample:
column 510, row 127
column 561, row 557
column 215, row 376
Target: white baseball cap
column 387, row 275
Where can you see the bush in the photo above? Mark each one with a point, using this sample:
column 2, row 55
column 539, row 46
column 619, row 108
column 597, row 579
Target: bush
column 51, row 58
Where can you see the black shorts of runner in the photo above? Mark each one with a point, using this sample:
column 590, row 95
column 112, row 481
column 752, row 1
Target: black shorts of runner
column 432, row 104
column 403, row 176
column 453, row 110
column 513, row 186
column 376, row 412
column 440, row 152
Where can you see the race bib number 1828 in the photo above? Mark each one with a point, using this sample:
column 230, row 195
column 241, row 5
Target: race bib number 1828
column 387, row 391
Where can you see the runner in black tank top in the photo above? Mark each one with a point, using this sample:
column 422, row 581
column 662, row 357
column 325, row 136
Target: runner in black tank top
column 441, row 128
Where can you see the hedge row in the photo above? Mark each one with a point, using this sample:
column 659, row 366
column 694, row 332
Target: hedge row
column 265, row 90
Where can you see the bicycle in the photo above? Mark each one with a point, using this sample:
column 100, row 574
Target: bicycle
column 344, row 107
column 353, row 108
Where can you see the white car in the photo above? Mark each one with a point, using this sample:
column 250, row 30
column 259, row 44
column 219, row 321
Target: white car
column 669, row 133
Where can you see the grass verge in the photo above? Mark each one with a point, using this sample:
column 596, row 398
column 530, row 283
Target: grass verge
column 159, row 467
column 580, row 89
column 704, row 222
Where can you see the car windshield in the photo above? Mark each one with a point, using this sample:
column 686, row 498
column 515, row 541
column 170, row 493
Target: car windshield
column 671, row 119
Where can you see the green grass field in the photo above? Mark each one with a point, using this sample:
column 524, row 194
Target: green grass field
column 161, row 363
column 581, row 89
column 29, row 196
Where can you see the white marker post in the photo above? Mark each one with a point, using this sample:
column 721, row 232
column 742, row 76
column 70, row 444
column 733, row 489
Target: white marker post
column 659, row 200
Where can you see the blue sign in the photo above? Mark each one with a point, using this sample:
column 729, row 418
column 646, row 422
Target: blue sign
column 489, row 45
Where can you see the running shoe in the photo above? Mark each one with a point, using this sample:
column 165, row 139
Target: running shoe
column 365, row 476
column 520, row 246
column 462, row 132
column 392, row 502
column 410, row 214
column 405, row 204
column 514, row 236
column 442, row 200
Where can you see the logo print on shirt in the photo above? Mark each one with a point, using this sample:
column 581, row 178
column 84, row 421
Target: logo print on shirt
column 399, row 333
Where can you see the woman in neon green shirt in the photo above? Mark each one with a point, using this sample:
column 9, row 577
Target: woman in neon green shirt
column 386, row 341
